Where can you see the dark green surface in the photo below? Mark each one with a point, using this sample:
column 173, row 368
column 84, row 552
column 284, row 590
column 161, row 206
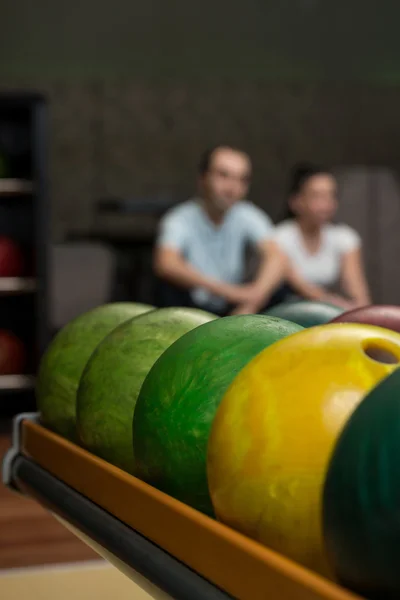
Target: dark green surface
column 361, row 516
column 305, row 313
column 181, row 394
column 270, row 41
column 63, row 363
column 113, row 377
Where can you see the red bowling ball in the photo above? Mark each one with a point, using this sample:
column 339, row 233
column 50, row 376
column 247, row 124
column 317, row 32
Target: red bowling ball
column 12, row 354
column 380, row 314
column 11, row 258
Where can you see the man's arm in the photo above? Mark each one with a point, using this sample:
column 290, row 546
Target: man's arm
column 271, row 273
column 272, row 269
column 273, row 262
column 169, row 264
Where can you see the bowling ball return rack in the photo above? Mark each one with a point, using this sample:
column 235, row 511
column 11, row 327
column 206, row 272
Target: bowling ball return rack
column 167, row 548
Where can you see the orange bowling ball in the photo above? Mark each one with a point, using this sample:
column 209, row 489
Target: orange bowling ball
column 277, row 425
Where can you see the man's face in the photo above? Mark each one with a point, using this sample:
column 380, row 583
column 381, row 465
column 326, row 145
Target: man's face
column 227, row 179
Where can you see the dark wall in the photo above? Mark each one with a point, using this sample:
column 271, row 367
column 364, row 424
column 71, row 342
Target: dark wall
column 301, row 39
column 137, row 90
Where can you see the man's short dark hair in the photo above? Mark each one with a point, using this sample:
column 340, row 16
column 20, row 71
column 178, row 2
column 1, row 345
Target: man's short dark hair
column 206, row 157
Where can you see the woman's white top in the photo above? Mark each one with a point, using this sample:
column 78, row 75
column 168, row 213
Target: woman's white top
column 322, row 267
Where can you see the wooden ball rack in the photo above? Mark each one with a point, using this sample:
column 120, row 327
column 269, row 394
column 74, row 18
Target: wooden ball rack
column 168, row 548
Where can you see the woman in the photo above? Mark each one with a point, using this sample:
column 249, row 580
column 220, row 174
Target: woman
column 322, row 254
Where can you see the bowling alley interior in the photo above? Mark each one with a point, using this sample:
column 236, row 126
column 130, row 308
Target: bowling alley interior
column 199, row 300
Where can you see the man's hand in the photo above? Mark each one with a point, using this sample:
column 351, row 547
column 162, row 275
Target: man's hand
column 271, row 273
column 246, row 294
column 245, row 309
column 255, row 302
column 170, row 265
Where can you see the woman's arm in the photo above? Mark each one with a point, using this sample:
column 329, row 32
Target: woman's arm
column 307, row 290
column 310, row 291
column 353, row 278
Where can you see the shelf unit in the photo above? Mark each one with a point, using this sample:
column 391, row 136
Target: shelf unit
column 15, row 187
column 17, row 285
column 24, row 218
column 9, row 383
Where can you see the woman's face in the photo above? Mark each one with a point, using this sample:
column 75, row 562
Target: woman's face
column 316, row 203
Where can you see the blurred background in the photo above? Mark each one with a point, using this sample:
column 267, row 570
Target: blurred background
column 136, row 91
column 121, row 99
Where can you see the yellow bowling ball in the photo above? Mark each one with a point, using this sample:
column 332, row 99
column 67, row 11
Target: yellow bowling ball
column 276, row 427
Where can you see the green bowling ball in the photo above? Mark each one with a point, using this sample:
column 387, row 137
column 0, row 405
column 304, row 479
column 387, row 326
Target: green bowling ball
column 180, row 396
column 305, row 313
column 361, row 501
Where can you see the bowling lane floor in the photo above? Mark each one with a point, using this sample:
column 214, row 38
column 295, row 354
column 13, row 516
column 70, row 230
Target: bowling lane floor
column 29, row 535
column 82, row 581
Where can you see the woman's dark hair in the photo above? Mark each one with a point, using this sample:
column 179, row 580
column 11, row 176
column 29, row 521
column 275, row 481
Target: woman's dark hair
column 299, row 175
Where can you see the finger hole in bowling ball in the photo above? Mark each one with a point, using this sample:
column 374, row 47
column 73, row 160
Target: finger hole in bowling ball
column 379, row 354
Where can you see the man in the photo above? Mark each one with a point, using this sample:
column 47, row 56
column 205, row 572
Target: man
column 201, row 244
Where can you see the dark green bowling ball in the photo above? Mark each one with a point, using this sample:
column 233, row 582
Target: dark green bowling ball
column 305, row 313
column 361, row 501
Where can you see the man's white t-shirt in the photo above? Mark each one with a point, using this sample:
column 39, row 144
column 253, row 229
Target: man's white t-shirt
column 217, row 251
column 321, row 267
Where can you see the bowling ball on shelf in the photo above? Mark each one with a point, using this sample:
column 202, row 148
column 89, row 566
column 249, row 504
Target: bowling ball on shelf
column 64, row 361
column 277, row 425
column 180, row 396
column 380, row 314
column 305, row 313
column 361, row 497
column 11, row 258
column 114, row 374
column 12, row 354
